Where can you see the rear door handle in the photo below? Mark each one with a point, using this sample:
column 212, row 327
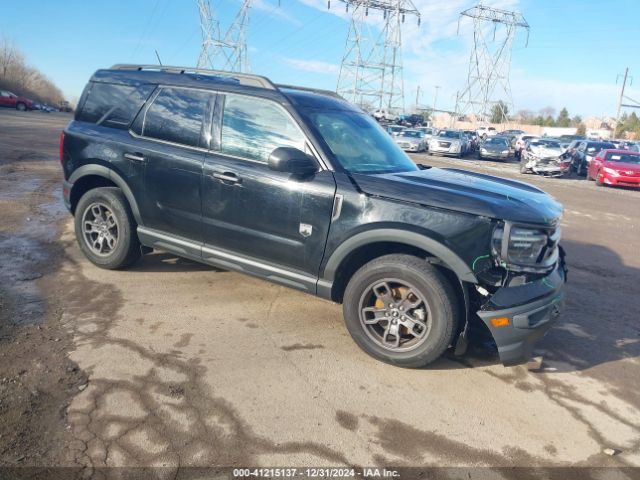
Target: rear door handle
column 226, row 177
column 136, row 157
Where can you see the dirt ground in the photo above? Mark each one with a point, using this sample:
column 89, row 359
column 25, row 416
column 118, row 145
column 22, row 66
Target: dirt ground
column 174, row 364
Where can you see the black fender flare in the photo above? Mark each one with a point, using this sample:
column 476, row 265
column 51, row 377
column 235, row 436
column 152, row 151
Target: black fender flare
column 108, row 173
column 442, row 252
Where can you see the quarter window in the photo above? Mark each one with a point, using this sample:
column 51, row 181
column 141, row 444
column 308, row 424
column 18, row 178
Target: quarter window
column 253, row 127
column 176, row 116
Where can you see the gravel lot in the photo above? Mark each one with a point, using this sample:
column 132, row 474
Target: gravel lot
column 173, row 364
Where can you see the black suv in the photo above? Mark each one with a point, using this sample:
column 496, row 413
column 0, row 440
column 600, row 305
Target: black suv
column 299, row 187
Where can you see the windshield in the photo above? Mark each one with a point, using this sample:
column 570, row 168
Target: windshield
column 546, row 143
column 412, row 134
column 448, row 134
column 358, row 143
column 624, row 158
column 396, row 129
column 496, row 141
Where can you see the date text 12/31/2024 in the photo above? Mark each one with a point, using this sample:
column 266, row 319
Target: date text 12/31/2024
column 314, row 473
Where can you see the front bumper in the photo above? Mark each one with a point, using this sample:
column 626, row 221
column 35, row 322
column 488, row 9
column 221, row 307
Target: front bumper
column 620, row 180
column 494, row 155
column 452, row 150
column 531, row 309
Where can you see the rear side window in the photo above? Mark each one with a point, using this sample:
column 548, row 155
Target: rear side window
column 253, row 127
column 176, row 116
column 113, row 105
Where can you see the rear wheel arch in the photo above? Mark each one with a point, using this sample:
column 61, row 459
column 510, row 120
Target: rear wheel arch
column 89, row 177
column 367, row 246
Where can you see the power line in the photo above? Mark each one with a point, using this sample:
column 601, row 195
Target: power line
column 371, row 68
column 488, row 82
column 228, row 51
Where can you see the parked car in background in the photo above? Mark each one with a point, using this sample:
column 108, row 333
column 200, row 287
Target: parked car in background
column 571, row 138
column 495, row 148
column 11, row 100
column 411, row 141
column 629, row 145
column 543, row 156
column 448, row 142
column 394, row 130
column 584, row 153
column 411, row 120
column 384, row 115
column 484, row 132
column 615, row 168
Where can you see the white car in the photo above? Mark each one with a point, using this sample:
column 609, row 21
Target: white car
column 385, row 115
column 484, row 132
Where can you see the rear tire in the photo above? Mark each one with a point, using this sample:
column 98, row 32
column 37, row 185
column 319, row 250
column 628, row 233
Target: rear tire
column 21, row 107
column 106, row 230
column 410, row 292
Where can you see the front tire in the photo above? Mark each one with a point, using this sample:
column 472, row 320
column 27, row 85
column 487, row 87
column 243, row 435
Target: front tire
column 401, row 310
column 105, row 229
column 598, row 181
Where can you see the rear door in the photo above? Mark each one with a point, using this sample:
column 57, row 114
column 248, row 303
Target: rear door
column 259, row 214
column 171, row 143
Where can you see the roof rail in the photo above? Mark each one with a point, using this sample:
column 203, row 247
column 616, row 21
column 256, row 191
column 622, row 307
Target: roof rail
column 330, row 93
column 243, row 78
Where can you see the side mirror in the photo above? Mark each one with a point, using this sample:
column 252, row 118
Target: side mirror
column 291, row 160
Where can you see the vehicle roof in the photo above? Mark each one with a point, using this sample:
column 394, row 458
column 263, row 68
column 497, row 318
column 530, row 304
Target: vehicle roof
column 223, row 81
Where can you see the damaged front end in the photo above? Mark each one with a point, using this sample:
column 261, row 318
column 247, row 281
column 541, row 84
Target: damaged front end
column 520, row 291
column 549, row 166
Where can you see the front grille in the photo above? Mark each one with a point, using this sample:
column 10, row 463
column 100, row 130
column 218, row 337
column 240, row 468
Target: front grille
column 445, row 144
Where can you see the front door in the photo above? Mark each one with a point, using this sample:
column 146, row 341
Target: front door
column 251, row 211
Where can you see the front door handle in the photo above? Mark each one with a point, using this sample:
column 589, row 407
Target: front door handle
column 226, row 177
column 136, row 157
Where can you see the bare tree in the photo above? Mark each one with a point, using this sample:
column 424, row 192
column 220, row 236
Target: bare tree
column 22, row 79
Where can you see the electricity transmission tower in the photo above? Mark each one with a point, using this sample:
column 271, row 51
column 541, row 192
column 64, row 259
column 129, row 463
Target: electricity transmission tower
column 371, row 68
column 226, row 51
column 488, row 85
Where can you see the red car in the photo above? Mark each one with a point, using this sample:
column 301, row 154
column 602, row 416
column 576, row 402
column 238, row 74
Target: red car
column 11, row 100
column 615, row 167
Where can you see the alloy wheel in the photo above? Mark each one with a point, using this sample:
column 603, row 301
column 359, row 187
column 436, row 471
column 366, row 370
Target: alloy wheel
column 100, row 229
column 395, row 315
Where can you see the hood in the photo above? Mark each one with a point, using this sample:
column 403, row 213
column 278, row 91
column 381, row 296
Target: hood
column 494, row 147
column 400, row 138
column 466, row 192
column 445, row 139
column 546, row 152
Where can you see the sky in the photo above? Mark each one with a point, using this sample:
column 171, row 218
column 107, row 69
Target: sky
column 576, row 48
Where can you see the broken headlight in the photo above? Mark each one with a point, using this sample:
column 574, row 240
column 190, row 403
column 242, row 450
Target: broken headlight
column 525, row 248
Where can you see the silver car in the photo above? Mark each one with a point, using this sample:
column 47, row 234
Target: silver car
column 448, row 142
column 411, row 141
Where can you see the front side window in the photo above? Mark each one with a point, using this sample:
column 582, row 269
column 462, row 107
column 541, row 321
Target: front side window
column 253, row 127
column 176, row 116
